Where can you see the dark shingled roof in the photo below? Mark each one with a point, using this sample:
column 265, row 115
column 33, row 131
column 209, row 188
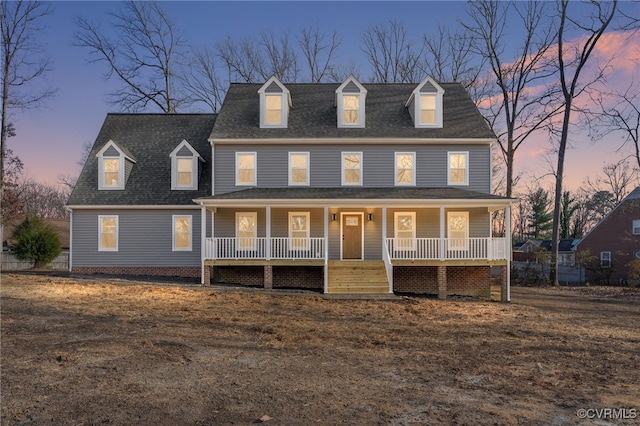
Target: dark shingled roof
column 149, row 138
column 313, row 114
column 351, row 193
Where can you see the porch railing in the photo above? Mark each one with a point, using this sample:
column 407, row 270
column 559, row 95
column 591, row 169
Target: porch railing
column 447, row 248
column 264, row 248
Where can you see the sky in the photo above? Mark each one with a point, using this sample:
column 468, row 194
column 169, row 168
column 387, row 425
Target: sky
column 49, row 140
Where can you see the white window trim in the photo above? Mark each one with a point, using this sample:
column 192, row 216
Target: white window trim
column 413, row 171
column 291, row 182
column 462, row 247
column 195, row 158
column 343, row 154
column 415, row 102
column 255, row 169
column 308, row 230
column 412, row 245
column 117, row 232
column 101, row 172
column 255, row 230
column 605, row 256
column 362, row 97
column 173, row 233
column 635, row 227
column 466, row 175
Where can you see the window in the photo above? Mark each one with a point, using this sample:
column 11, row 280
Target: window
column 428, row 109
column 181, row 233
column 184, row 167
column 111, row 167
column 245, row 169
column 404, row 230
column 351, row 168
column 299, row 230
column 246, row 230
column 275, row 102
column 273, row 109
column 405, row 168
column 298, row 168
column 458, row 168
column 350, row 102
column 636, row 227
column 107, row 233
column 605, row 259
column 458, row 230
column 185, row 172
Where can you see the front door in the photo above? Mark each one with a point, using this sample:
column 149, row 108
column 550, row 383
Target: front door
column 352, row 236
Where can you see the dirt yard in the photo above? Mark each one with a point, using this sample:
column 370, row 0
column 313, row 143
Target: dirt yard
column 89, row 352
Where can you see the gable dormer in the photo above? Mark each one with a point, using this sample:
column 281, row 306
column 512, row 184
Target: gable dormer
column 425, row 104
column 275, row 102
column 350, row 103
column 114, row 166
column 185, row 167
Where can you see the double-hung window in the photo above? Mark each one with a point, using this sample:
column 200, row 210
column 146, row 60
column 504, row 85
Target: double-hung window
column 458, row 168
column 635, row 227
column 428, row 106
column 299, row 230
column 458, row 230
column 405, row 168
column 351, row 168
column 246, row 230
column 107, row 233
column 246, row 169
column 184, row 172
column 273, row 109
column 182, row 233
column 299, row 168
column 404, row 230
column 605, row 259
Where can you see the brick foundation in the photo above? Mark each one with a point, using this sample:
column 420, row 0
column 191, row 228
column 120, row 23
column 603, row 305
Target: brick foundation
column 155, row 271
column 245, row 275
column 460, row 280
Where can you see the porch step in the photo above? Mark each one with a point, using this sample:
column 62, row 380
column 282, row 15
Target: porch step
column 357, row 277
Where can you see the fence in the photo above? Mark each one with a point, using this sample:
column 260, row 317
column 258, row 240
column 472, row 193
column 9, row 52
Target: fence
column 11, row 263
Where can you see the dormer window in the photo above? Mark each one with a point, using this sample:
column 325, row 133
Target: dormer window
column 112, row 166
column 275, row 102
column 185, row 167
column 425, row 104
column 350, row 103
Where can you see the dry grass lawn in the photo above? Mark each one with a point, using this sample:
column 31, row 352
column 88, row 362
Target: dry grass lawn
column 84, row 351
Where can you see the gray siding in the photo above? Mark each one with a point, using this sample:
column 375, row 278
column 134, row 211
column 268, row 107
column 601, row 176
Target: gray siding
column 225, row 221
column 144, row 239
column 428, row 222
column 111, row 152
column 184, row 152
column 128, row 167
column 378, row 165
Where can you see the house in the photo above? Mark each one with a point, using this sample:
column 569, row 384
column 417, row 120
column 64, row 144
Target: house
column 539, row 251
column 342, row 188
column 608, row 250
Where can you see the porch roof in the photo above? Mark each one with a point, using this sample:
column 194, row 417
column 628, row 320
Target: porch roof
column 357, row 195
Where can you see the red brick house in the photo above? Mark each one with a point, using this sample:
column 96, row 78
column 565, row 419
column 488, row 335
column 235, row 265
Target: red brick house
column 608, row 249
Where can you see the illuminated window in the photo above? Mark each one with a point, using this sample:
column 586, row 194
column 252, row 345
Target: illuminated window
column 246, row 230
column 350, row 102
column 350, row 109
column 298, row 168
column 275, row 102
column 428, row 109
column 111, row 168
column 107, row 233
column 458, row 168
column 185, row 172
column 245, row 169
column 425, row 104
column 273, row 109
column 351, row 168
column 458, row 230
column 184, row 167
column 181, row 233
column 299, row 230
column 404, row 230
column 405, row 168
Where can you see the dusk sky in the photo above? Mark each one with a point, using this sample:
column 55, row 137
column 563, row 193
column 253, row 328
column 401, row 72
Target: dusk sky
column 49, row 140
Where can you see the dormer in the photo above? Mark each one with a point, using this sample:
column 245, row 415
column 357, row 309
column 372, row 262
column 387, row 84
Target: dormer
column 114, row 166
column 350, row 103
column 425, row 104
column 275, row 102
column 185, row 167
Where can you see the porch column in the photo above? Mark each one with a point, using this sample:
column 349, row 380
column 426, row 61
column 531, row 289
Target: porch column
column 326, row 249
column 442, row 234
column 268, row 233
column 505, row 289
column 442, row 282
column 386, row 255
column 268, row 276
column 205, row 279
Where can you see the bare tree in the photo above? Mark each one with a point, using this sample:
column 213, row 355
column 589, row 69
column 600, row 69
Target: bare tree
column 617, row 178
column 572, row 58
column 319, row 52
column 392, row 56
column 144, row 56
column 42, row 200
column 517, row 108
column 257, row 60
column 201, row 80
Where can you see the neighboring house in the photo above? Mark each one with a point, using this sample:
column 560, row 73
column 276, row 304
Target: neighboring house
column 343, row 188
column 609, row 248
